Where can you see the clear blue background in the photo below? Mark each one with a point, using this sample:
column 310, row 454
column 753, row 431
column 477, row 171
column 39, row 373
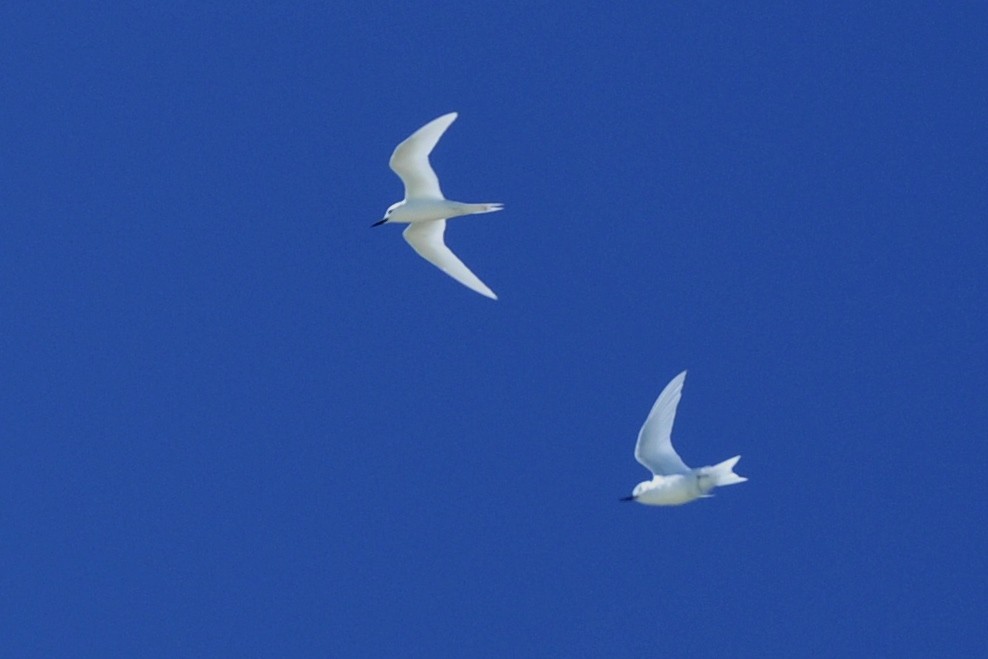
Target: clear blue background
column 236, row 421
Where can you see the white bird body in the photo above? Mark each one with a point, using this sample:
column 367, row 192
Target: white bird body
column 673, row 483
column 425, row 208
column 410, row 211
column 668, row 490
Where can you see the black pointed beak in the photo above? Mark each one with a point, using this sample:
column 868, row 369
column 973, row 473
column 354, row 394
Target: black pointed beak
column 379, row 222
column 626, row 499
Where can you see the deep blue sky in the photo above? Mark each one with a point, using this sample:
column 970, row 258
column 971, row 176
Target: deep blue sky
column 235, row 420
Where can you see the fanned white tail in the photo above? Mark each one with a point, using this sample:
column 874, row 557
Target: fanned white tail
column 723, row 473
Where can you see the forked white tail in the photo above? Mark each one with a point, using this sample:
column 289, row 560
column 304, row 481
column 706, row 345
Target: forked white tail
column 723, row 473
column 473, row 209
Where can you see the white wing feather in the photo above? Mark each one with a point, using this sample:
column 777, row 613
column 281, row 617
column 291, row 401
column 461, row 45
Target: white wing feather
column 654, row 448
column 410, row 160
column 426, row 238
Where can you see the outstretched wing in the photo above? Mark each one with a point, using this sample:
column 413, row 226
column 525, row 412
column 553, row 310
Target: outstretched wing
column 426, row 238
column 654, row 448
column 410, row 160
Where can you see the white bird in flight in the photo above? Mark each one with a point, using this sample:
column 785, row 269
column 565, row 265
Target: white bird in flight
column 424, row 208
column 673, row 483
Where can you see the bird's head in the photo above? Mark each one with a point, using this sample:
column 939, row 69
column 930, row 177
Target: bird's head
column 639, row 489
column 642, row 488
column 387, row 213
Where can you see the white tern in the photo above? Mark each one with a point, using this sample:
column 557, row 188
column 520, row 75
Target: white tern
column 424, row 208
column 673, row 483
